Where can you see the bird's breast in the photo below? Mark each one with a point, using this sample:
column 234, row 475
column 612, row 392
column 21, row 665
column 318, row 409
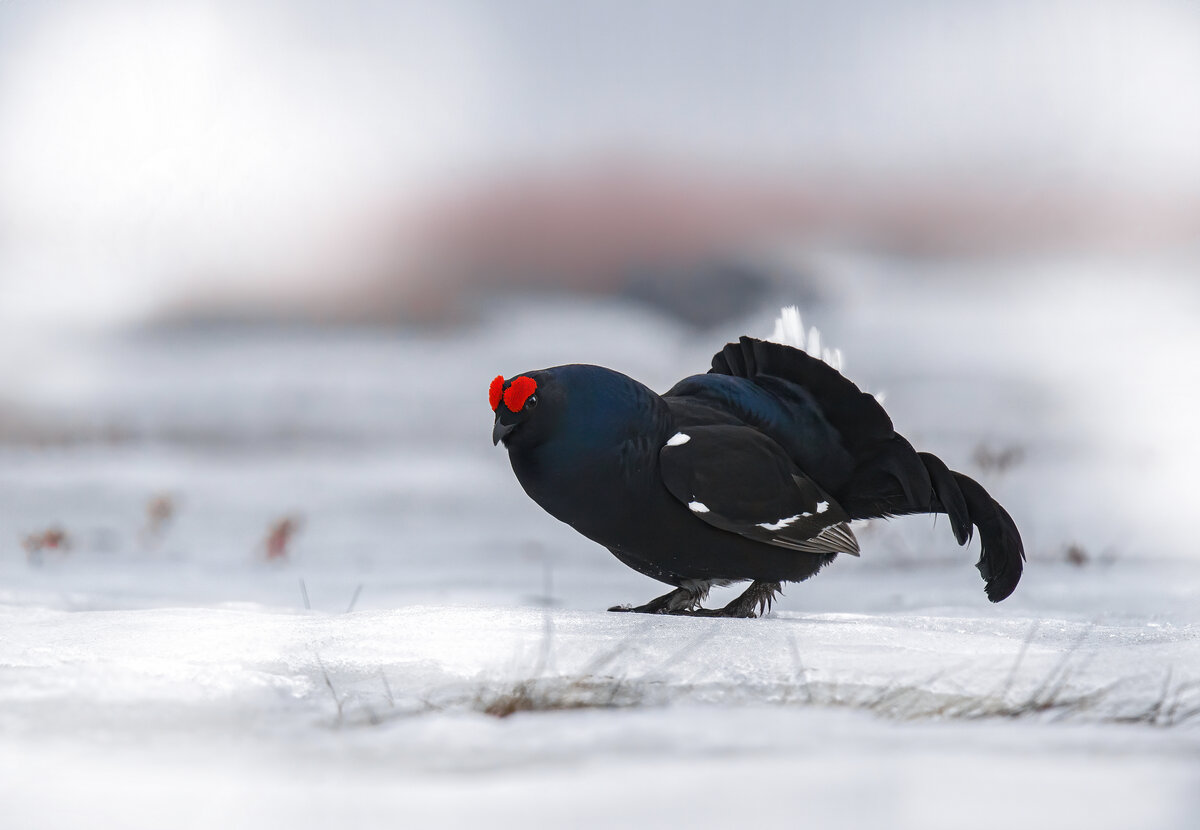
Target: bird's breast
column 602, row 495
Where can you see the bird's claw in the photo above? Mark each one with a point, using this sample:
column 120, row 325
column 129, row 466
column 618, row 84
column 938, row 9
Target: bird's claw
column 680, row 600
column 754, row 602
column 727, row 612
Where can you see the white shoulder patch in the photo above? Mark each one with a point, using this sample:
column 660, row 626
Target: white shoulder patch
column 698, row 507
column 677, row 439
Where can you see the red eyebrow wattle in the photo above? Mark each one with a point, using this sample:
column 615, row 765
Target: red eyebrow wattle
column 518, row 392
column 496, row 391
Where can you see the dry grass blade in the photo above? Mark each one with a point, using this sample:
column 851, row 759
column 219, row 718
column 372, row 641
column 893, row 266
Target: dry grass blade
column 332, row 691
column 354, row 599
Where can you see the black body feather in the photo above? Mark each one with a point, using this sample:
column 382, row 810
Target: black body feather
column 752, row 471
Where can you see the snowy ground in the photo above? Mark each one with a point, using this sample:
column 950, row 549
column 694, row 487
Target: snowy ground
column 182, row 682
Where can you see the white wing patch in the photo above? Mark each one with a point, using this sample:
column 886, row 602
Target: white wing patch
column 822, row 506
column 697, row 507
column 677, row 439
column 782, row 523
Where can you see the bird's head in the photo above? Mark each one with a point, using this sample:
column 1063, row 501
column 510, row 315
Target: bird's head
column 520, row 404
column 586, row 406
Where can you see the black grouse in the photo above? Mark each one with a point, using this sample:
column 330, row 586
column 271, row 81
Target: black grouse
column 753, row 471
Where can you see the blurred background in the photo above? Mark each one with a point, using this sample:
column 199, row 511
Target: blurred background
column 258, row 261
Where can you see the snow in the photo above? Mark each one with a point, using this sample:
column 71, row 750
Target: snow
column 181, row 681
column 227, row 710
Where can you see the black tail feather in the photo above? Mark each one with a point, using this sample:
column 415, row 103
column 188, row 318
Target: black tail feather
column 857, row 416
column 1002, row 555
column 887, row 486
column 966, row 503
column 950, row 495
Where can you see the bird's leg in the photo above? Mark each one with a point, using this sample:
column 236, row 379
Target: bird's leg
column 682, row 600
column 754, row 601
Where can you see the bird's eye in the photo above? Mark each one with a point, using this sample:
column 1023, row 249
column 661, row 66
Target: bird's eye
column 531, row 403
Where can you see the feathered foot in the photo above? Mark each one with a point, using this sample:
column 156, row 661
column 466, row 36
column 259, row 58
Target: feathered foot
column 680, row 601
column 754, row 602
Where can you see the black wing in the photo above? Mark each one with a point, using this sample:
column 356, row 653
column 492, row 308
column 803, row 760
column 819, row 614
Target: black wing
column 739, row 480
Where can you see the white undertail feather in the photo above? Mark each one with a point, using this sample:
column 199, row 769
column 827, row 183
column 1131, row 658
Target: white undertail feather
column 789, row 331
column 789, row 328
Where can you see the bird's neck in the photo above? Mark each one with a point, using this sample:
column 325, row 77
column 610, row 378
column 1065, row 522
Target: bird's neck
column 606, row 445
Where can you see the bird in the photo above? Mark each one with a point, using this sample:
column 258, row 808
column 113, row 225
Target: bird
column 751, row 472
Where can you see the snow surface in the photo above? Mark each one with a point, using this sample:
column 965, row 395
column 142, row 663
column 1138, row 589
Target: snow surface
column 182, row 682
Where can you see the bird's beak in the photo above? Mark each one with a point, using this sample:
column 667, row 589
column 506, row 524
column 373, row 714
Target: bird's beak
column 500, row 432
